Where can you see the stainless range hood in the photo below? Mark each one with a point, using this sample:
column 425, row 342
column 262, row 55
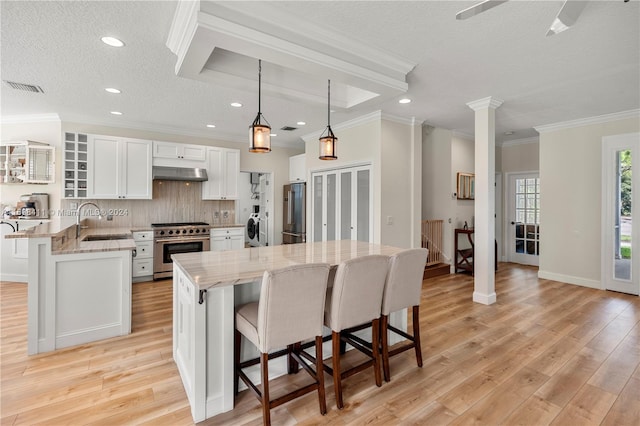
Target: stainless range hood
column 179, row 173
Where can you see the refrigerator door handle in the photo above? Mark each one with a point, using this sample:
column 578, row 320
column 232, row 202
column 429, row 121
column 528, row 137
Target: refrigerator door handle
column 291, row 234
column 289, row 208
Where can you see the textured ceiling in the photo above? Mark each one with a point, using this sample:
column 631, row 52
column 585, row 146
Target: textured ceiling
column 590, row 70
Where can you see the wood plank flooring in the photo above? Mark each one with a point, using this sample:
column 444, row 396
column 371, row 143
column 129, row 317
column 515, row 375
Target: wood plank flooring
column 545, row 353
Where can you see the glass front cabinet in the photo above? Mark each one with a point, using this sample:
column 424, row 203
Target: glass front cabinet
column 27, row 162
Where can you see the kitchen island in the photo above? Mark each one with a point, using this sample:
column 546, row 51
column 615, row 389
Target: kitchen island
column 78, row 290
column 206, row 288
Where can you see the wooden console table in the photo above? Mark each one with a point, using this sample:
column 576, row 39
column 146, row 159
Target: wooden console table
column 463, row 260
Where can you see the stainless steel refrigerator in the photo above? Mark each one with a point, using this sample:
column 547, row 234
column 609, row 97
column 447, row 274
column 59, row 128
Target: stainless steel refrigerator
column 294, row 216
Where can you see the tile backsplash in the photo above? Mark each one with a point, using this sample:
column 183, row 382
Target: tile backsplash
column 173, row 201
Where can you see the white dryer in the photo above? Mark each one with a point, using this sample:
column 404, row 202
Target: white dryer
column 253, row 229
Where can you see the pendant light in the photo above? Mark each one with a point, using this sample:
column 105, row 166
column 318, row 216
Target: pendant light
column 260, row 133
column 327, row 139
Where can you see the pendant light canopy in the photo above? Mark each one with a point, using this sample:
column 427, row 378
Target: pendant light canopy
column 327, row 139
column 259, row 132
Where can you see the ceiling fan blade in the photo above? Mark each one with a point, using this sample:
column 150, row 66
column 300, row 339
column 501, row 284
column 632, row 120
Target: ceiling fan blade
column 567, row 16
column 478, row 8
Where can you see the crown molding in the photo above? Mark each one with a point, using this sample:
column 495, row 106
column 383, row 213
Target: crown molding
column 463, row 135
column 523, row 141
column 31, row 118
column 484, row 103
column 634, row 113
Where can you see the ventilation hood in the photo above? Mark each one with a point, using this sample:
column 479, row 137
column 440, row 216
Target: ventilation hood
column 179, row 173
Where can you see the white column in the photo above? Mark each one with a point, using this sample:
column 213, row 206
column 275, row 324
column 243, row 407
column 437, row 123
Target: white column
column 485, row 196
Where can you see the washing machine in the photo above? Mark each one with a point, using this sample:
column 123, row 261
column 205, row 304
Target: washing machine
column 253, row 230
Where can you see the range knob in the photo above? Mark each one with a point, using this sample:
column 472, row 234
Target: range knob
column 161, row 232
column 197, row 231
column 170, row 232
column 204, row 230
column 191, row 231
column 184, row 231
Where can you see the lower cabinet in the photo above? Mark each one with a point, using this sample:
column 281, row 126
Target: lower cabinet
column 227, row 238
column 143, row 261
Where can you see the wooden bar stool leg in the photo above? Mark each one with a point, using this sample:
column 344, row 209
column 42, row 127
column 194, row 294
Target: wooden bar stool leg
column 385, row 347
column 322, row 399
column 266, row 406
column 375, row 343
column 337, row 379
column 416, row 335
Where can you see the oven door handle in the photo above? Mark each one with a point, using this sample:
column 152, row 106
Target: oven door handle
column 181, row 239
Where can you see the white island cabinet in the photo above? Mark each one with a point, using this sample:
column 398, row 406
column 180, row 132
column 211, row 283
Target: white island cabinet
column 78, row 291
column 206, row 287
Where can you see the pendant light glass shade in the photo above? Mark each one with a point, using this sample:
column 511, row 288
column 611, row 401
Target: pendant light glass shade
column 259, row 132
column 327, row 139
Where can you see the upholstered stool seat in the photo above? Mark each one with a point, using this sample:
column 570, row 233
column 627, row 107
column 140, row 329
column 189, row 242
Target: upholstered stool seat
column 290, row 310
column 403, row 290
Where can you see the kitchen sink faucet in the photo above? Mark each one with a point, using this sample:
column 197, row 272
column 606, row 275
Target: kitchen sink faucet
column 78, row 215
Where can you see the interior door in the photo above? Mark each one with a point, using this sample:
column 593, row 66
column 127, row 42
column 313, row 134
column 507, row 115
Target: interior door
column 524, row 218
column 620, row 157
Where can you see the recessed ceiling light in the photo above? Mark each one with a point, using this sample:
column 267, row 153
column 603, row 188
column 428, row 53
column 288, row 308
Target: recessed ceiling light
column 236, row 104
column 112, row 41
column 509, row 133
column 273, row 134
column 112, row 90
column 116, row 113
column 211, row 125
column 301, row 123
column 404, row 101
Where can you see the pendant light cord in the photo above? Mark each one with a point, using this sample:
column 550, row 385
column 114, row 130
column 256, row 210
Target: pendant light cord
column 329, row 104
column 259, row 83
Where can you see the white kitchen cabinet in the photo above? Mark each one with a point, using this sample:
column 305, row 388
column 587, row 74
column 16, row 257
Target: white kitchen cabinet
column 179, row 151
column 227, row 239
column 119, row 168
column 223, row 169
column 27, row 162
column 75, row 165
column 143, row 261
column 298, row 168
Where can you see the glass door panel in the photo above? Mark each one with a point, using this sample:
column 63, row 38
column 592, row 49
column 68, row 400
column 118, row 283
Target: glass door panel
column 363, row 209
column 345, row 206
column 318, row 207
column 332, row 198
column 622, row 216
column 524, row 201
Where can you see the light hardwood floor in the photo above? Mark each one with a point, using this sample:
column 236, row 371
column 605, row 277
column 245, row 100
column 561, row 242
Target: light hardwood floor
column 545, row 353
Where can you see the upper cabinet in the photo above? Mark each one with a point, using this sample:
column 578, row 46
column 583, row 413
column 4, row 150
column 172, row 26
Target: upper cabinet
column 177, row 151
column 75, row 165
column 27, row 162
column 119, row 168
column 223, row 169
column 298, row 168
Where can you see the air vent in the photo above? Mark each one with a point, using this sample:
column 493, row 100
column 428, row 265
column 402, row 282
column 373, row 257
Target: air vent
column 25, row 87
column 288, row 128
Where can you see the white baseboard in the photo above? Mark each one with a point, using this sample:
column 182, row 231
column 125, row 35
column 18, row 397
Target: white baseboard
column 569, row 279
column 18, row 278
column 485, row 299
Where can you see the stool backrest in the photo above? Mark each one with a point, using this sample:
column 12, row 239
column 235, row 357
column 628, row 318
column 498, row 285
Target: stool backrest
column 291, row 306
column 357, row 291
column 404, row 281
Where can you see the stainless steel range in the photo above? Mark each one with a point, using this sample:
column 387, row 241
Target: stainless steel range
column 174, row 238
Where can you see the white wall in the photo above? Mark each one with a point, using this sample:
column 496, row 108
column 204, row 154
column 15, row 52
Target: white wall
column 401, row 145
column 570, row 196
column 47, row 130
column 462, row 161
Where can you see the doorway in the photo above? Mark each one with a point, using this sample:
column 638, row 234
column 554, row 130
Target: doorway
column 523, row 245
column 619, row 267
column 255, row 204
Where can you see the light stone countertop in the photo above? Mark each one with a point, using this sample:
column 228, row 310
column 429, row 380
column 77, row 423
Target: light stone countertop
column 51, row 228
column 209, row 269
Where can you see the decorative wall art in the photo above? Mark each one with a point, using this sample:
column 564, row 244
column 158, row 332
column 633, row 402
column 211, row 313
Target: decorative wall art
column 466, row 186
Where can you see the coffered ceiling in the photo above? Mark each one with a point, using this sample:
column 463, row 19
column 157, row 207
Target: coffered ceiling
column 183, row 64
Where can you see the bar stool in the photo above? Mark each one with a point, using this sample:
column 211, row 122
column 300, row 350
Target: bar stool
column 290, row 310
column 355, row 299
column 402, row 290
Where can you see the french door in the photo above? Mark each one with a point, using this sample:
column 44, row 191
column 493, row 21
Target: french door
column 620, row 204
column 524, row 218
column 342, row 204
